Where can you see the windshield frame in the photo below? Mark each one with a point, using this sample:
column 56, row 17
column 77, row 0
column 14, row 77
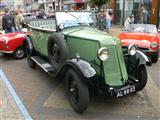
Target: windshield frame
column 142, row 28
column 78, row 19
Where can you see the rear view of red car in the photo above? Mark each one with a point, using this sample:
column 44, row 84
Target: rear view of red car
column 13, row 43
column 144, row 36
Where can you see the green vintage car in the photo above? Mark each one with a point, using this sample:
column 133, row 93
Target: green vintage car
column 88, row 59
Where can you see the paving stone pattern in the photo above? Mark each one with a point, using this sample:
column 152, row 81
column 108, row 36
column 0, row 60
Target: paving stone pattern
column 8, row 107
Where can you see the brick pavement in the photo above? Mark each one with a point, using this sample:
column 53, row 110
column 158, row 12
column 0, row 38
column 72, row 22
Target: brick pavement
column 8, row 108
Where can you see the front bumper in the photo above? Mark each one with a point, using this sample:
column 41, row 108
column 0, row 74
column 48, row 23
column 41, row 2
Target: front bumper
column 119, row 91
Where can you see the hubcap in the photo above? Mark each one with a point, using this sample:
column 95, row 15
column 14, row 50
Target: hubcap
column 20, row 53
column 74, row 93
column 56, row 53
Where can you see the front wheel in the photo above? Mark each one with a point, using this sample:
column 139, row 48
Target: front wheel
column 77, row 90
column 20, row 53
column 154, row 57
column 142, row 78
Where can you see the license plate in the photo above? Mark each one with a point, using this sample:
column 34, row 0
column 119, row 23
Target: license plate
column 125, row 91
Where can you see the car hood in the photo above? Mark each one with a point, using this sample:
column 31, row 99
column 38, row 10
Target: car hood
column 11, row 36
column 139, row 39
column 89, row 34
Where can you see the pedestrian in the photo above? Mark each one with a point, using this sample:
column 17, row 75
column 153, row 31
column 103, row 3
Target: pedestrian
column 143, row 15
column 19, row 19
column 101, row 20
column 109, row 16
column 8, row 22
column 132, row 19
column 128, row 22
column 1, row 15
column 41, row 14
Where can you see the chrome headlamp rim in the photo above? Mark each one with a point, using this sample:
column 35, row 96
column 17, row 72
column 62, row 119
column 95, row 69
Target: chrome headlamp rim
column 153, row 44
column 103, row 53
column 132, row 49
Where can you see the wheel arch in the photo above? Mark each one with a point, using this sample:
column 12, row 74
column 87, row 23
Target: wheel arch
column 143, row 59
column 80, row 66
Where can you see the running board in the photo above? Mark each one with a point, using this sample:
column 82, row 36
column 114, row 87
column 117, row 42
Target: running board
column 47, row 67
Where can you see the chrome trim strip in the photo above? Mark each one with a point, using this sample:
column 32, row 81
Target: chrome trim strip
column 9, row 52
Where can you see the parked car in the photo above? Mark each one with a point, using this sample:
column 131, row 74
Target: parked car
column 14, row 44
column 144, row 36
column 87, row 58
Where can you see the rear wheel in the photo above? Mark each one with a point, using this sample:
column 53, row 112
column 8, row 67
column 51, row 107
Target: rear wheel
column 19, row 53
column 77, row 90
column 31, row 63
column 142, row 78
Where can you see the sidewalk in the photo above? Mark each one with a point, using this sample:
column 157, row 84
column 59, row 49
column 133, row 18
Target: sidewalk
column 11, row 107
column 8, row 108
column 115, row 30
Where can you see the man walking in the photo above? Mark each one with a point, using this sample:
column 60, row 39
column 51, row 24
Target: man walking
column 8, row 22
column 19, row 19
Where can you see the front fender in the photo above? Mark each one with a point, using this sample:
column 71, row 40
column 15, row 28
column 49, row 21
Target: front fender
column 143, row 58
column 84, row 67
column 29, row 45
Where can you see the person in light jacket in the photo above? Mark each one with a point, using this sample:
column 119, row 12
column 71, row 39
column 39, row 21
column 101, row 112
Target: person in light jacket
column 19, row 19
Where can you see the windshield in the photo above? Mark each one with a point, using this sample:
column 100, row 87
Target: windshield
column 69, row 19
column 148, row 28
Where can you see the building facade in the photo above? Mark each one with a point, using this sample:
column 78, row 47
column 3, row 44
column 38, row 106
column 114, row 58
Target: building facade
column 13, row 4
column 125, row 8
column 76, row 5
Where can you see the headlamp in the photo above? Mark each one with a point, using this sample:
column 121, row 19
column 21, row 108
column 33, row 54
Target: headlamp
column 103, row 54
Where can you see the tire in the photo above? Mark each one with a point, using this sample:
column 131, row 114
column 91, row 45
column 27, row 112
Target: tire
column 29, row 47
column 142, row 77
column 77, row 90
column 31, row 63
column 57, row 49
column 154, row 57
column 30, row 52
column 19, row 53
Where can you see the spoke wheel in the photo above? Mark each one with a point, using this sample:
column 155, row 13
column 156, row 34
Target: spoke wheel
column 57, row 49
column 142, row 77
column 55, row 52
column 77, row 90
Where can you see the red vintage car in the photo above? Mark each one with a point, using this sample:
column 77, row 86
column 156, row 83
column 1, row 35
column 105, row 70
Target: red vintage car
column 13, row 43
column 144, row 36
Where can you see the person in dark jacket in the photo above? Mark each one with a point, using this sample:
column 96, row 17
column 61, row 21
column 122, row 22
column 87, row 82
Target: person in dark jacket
column 8, row 22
